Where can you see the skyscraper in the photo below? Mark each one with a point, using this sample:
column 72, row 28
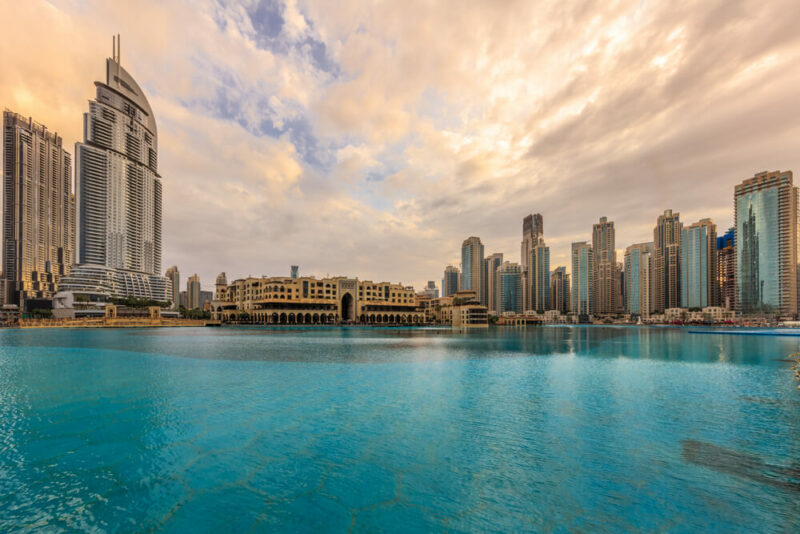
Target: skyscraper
column 638, row 279
column 472, row 266
column 582, row 278
column 559, row 290
column 174, row 289
column 699, row 265
column 509, row 288
column 38, row 210
column 431, row 290
column 193, row 292
column 726, row 269
column 666, row 262
column 492, row 263
column 294, row 271
column 539, row 277
column 118, row 194
column 605, row 270
column 532, row 230
column 450, row 282
column 766, row 243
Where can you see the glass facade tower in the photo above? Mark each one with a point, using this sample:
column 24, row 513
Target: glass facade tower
column 539, row 277
column 638, row 270
column 509, row 288
column 699, row 265
column 559, row 290
column 726, row 269
column 450, row 280
column 766, row 244
column 472, row 266
column 582, row 278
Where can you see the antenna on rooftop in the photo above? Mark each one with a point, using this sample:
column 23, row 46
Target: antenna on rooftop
column 119, row 47
column 115, row 47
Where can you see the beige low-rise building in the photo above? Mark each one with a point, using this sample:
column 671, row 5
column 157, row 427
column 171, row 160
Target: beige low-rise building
column 460, row 309
column 308, row 300
column 436, row 310
column 470, row 315
column 675, row 314
column 519, row 319
column 715, row 314
column 554, row 317
column 719, row 314
column 465, row 310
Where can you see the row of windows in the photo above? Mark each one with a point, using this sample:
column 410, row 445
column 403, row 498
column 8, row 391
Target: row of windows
column 256, row 295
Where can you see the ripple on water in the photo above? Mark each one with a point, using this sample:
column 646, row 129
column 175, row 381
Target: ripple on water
column 580, row 429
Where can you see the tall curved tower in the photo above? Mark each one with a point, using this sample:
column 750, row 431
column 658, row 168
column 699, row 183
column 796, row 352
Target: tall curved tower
column 118, row 193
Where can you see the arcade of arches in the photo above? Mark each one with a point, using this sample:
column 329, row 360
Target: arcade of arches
column 307, row 300
column 318, row 317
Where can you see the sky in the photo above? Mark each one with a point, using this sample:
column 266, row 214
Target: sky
column 369, row 139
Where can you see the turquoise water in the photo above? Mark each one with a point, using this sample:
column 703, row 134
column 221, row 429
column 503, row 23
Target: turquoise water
column 539, row 429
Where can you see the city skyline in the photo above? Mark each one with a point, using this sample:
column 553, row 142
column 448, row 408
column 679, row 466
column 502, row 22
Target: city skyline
column 332, row 163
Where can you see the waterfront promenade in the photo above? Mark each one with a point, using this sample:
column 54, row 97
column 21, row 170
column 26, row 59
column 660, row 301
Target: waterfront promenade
column 115, row 322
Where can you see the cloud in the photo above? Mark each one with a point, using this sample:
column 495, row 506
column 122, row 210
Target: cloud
column 371, row 139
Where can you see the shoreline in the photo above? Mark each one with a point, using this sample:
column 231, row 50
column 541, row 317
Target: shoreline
column 105, row 322
column 27, row 324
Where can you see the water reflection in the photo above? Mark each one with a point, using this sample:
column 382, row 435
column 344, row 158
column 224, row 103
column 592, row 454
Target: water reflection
column 385, row 345
column 553, row 428
column 741, row 464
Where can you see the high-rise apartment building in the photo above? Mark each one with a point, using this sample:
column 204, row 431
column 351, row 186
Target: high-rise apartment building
column 559, row 290
column 699, row 265
column 38, row 210
column 766, row 211
column 726, row 269
column 490, row 279
column 509, row 288
column 582, row 278
column 472, row 266
column 539, row 277
column 532, row 232
column 666, row 262
column 118, row 194
column 450, row 282
column 605, row 265
column 193, row 292
column 621, row 288
column 174, row 286
column 638, row 279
